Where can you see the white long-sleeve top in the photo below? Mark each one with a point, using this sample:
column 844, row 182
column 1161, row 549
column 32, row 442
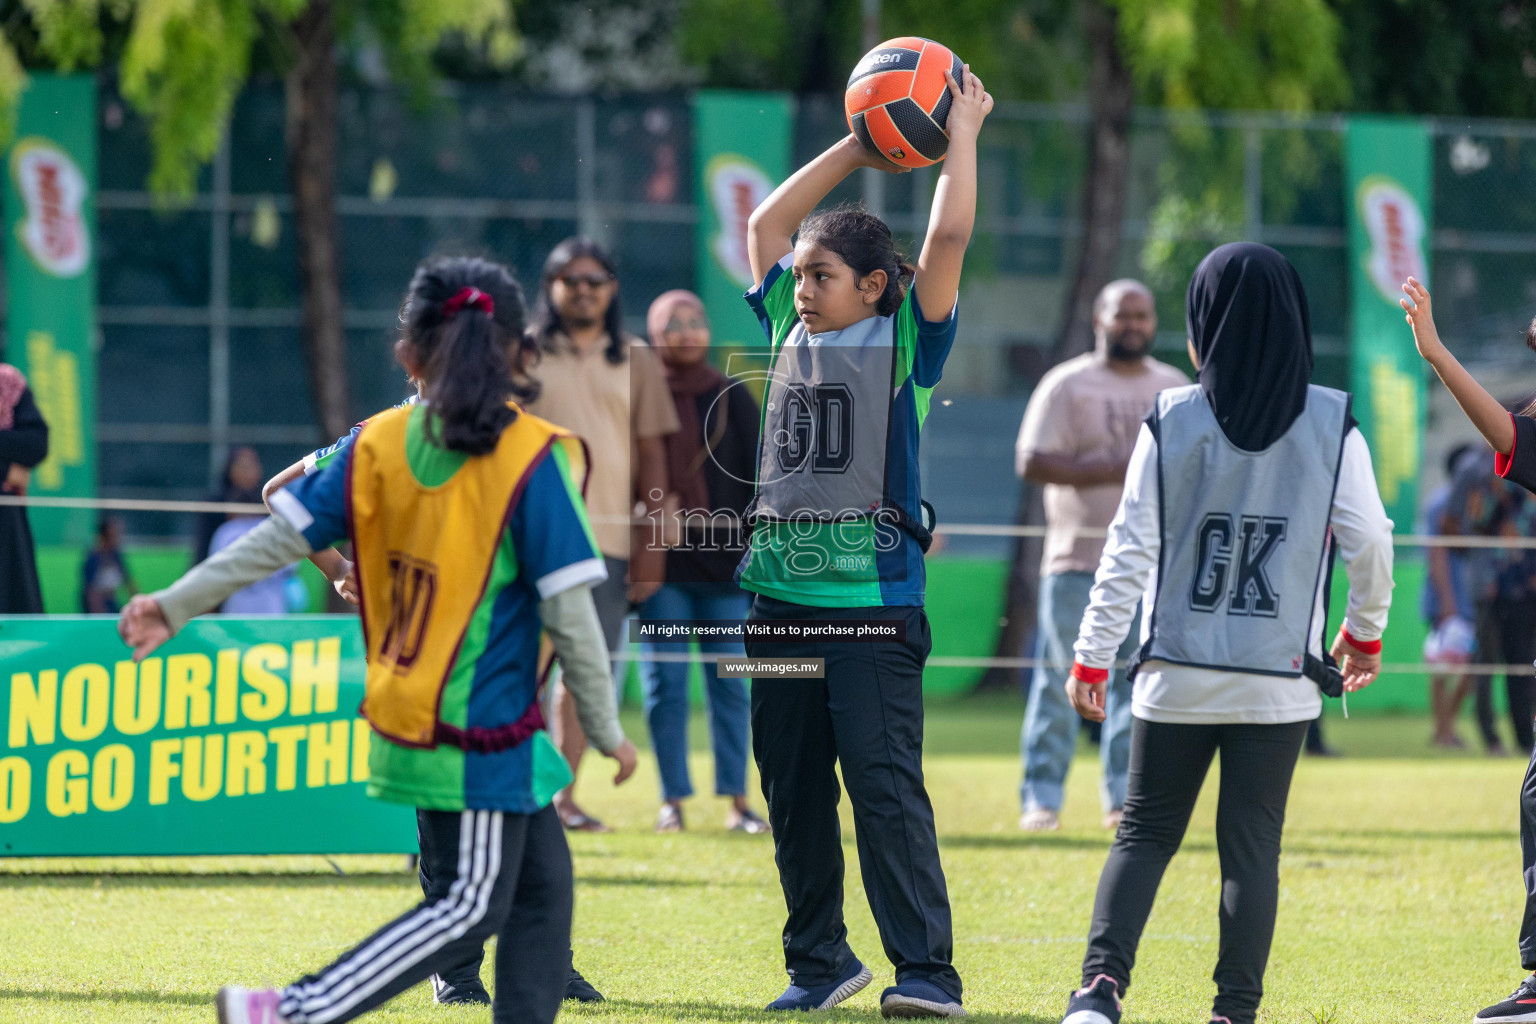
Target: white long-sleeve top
column 1128, row 572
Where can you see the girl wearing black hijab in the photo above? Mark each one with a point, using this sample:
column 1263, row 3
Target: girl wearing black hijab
column 1234, row 490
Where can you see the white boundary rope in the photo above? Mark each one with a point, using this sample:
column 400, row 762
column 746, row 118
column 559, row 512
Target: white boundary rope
column 952, row 529
column 960, row 661
column 1409, row 540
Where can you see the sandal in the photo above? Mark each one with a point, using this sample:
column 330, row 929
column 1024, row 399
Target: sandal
column 578, row 821
column 669, row 819
column 748, row 822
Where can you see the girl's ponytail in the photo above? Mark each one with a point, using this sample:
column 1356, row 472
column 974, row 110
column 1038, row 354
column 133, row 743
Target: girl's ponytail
column 464, row 317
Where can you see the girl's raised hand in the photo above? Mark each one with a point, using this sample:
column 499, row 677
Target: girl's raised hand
column 869, row 158
column 969, row 105
column 1425, row 338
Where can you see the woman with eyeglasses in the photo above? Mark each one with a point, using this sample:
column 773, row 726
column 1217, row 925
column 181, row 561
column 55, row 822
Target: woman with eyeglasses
column 608, row 388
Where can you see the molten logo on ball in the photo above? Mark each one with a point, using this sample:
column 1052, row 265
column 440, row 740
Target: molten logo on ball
column 53, row 191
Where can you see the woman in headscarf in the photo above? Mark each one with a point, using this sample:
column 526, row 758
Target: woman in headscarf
column 240, row 482
column 1237, row 489
column 711, row 463
column 23, row 444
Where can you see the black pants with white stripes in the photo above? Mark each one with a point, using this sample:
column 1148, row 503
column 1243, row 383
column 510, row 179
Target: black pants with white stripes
column 1168, row 765
column 512, row 879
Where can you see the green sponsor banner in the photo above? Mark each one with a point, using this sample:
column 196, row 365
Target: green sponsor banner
column 240, row 736
column 741, row 143
column 1387, row 172
column 50, row 279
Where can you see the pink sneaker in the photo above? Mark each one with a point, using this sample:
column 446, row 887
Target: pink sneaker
column 249, row 1005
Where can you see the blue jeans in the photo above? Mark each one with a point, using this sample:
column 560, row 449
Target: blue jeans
column 666, row 690
column 1050, row 723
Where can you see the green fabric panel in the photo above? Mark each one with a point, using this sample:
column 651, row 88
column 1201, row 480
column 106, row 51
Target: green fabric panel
column 321, row 461
column 431, row 465
column 830, row 565
column 455, row 703
column 921, row 397
column 780, row 305
column 906, row 340
column 551, row 772
column 433, row 779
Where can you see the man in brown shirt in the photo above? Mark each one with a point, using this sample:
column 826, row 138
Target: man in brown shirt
column 608, row 388
column 1076, row 439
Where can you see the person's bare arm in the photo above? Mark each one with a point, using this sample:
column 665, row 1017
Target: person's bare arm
column 772, row 226
column 1487, row 414
column 332, row 563
column 953, row 215
column 281, row 480
column 1070, row 470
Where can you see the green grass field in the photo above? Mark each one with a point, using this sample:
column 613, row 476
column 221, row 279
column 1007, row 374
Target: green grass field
column 1400, row 901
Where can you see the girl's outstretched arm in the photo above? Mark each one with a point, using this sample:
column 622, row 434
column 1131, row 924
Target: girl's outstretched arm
column 1490, row 418
column 954, row 201
column 772, row 226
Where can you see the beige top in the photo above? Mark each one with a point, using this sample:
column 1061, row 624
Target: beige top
column 1084, row 409
column 609, row 406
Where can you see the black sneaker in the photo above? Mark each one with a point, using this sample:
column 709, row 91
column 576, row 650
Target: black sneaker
column 459, row 991
column 1095, row 1003
column 580, row 989
column 1520, row 1006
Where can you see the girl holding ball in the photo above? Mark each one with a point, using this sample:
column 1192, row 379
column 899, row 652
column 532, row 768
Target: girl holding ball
column 858, row 339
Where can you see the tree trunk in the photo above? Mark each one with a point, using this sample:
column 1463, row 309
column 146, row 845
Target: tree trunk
column 1110, row 92
column 311, row 128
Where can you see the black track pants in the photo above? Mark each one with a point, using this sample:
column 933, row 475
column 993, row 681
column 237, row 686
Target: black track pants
column 1528, row 865
column 511, row 877
column 1168, row 766
column 867, row 717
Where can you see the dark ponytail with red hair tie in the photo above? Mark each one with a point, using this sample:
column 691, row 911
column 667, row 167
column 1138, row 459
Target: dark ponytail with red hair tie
column 473, row 364
column 472, row 297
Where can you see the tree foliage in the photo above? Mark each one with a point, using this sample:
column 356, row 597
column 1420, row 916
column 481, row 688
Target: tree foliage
column 181, row 63
column 1430, row 57
column 1239, row 54
column 1026, row 49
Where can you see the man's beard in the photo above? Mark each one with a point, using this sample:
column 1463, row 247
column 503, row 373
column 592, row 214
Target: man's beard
column 1121, row 352
column 580, row 323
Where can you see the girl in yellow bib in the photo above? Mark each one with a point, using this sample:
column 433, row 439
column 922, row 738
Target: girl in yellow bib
column 470, row 538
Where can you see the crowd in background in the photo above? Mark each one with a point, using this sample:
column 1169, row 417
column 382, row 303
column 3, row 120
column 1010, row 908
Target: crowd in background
column 1480, row 603
column 673, row 444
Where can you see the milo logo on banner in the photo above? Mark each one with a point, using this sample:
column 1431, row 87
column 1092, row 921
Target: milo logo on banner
column 53, row 190
column 1387, row 174
column 1395, row 226
column 735, row 186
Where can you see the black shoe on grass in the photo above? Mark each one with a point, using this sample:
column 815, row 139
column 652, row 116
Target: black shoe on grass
column 1098, row 1002
column 580, row 989
column 459, row 991
column 1520, row 1006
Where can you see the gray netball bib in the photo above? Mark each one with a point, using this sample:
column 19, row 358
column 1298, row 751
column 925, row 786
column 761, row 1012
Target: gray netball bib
column 826, row 424
column 1244, row 535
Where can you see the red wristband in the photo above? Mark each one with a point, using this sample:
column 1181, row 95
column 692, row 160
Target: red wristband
column 1092, row 676
column 1503, row 463
column 1363, row 646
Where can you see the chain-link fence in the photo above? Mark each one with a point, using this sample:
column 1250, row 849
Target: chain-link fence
column 200, row 312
